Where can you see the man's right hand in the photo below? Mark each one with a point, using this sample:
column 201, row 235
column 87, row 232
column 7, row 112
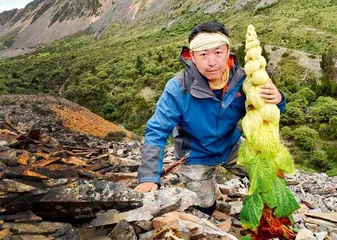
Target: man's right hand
column 146, row 187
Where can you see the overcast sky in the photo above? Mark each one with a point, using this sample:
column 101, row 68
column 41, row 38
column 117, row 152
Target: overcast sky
column 10, row 4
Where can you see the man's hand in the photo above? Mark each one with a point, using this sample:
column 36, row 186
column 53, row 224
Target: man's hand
column 270, row 93
column 147, row 187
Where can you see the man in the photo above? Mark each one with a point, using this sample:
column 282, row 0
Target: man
column 203, row 105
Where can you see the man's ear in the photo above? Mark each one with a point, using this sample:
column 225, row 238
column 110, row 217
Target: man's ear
column 192, row 56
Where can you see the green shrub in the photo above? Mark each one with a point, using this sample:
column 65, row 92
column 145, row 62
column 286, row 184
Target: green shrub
column 286, row 54
column 286, row 132
column 115, row 136
column 319, row 160
column 292, row 115
column 305, row 137
column 332, row 172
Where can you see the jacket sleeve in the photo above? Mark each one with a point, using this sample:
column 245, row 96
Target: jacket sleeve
column 158, row 129
column 282, row 104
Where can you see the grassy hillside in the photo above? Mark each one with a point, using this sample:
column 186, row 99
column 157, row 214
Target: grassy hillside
column 107, row 76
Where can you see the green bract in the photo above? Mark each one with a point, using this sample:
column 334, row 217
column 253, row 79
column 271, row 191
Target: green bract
column 251, row 123
column 271, row 113
column 254, row 96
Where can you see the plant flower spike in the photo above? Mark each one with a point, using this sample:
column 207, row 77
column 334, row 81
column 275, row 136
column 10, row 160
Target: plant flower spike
column 268, row 208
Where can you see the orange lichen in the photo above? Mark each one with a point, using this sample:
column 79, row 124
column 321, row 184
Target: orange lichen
column 84, row 121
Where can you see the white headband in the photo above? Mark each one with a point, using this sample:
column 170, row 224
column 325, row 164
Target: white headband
column 205, row 41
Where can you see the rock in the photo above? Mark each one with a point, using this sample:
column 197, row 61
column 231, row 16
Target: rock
column 10, row 156
column 321, row 235
column 311, row 227
column 305, row 234
column 30, row 237
column 332, row 217
column 123, row 230
column 5, row 233
column 319, row 222
column 183, row 224
column 154, row 204
column 147, row 235
column 113, row 216
column 38, row 228
column 236, row 207
column 83, row 198
column 23, row 217
column 144, row 225
column 225, row 225
column 12, row 186
column 220, row 215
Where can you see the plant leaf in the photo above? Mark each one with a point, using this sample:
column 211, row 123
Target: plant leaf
column 252, row 211
column 246, row 153
column 260, row 175
column 281, row 198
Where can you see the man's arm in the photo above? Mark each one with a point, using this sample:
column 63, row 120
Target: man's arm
column 158, row 129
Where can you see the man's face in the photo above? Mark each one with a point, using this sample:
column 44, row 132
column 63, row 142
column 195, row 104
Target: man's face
column 212, row 63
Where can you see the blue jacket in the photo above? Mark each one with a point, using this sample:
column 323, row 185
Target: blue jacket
column 201, row 123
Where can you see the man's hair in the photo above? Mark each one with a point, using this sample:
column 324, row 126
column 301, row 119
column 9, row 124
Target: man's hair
column 209, row 27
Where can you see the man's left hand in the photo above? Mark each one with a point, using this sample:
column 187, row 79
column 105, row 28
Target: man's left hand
column 270, row 93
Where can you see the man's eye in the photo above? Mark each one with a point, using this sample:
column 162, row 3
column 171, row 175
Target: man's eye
column 218, row 52
column 202, row 54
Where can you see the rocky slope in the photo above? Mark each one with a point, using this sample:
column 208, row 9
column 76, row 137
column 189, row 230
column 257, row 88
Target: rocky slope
column 73, row 186
column 54, row 116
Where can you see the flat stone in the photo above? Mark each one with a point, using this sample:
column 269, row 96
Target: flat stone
column 182, row 222
column 145, row 225
column 5, row 233
column 116, row 177
column 33, row 237
column 36, row 228
column 236, row 207
column 7, row 185
column 58, row 182
column 83, row 198
column 154, row 204
column 22, row 217
column 147, row 235
column 57, row 171
column 123, row 230
column 305, row 234
column 10, row 156
column 14, row 203
column 319, row 222
column 225, row 225
column 321, row 235
column 326, row 216
column 112, row 217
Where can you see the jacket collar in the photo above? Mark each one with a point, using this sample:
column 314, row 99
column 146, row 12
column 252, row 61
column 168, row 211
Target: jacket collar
column 199, row 87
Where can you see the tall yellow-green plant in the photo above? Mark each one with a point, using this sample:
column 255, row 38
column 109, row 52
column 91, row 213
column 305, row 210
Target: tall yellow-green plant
column 262, row 154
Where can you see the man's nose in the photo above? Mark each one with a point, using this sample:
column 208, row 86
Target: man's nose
column 211, row 60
